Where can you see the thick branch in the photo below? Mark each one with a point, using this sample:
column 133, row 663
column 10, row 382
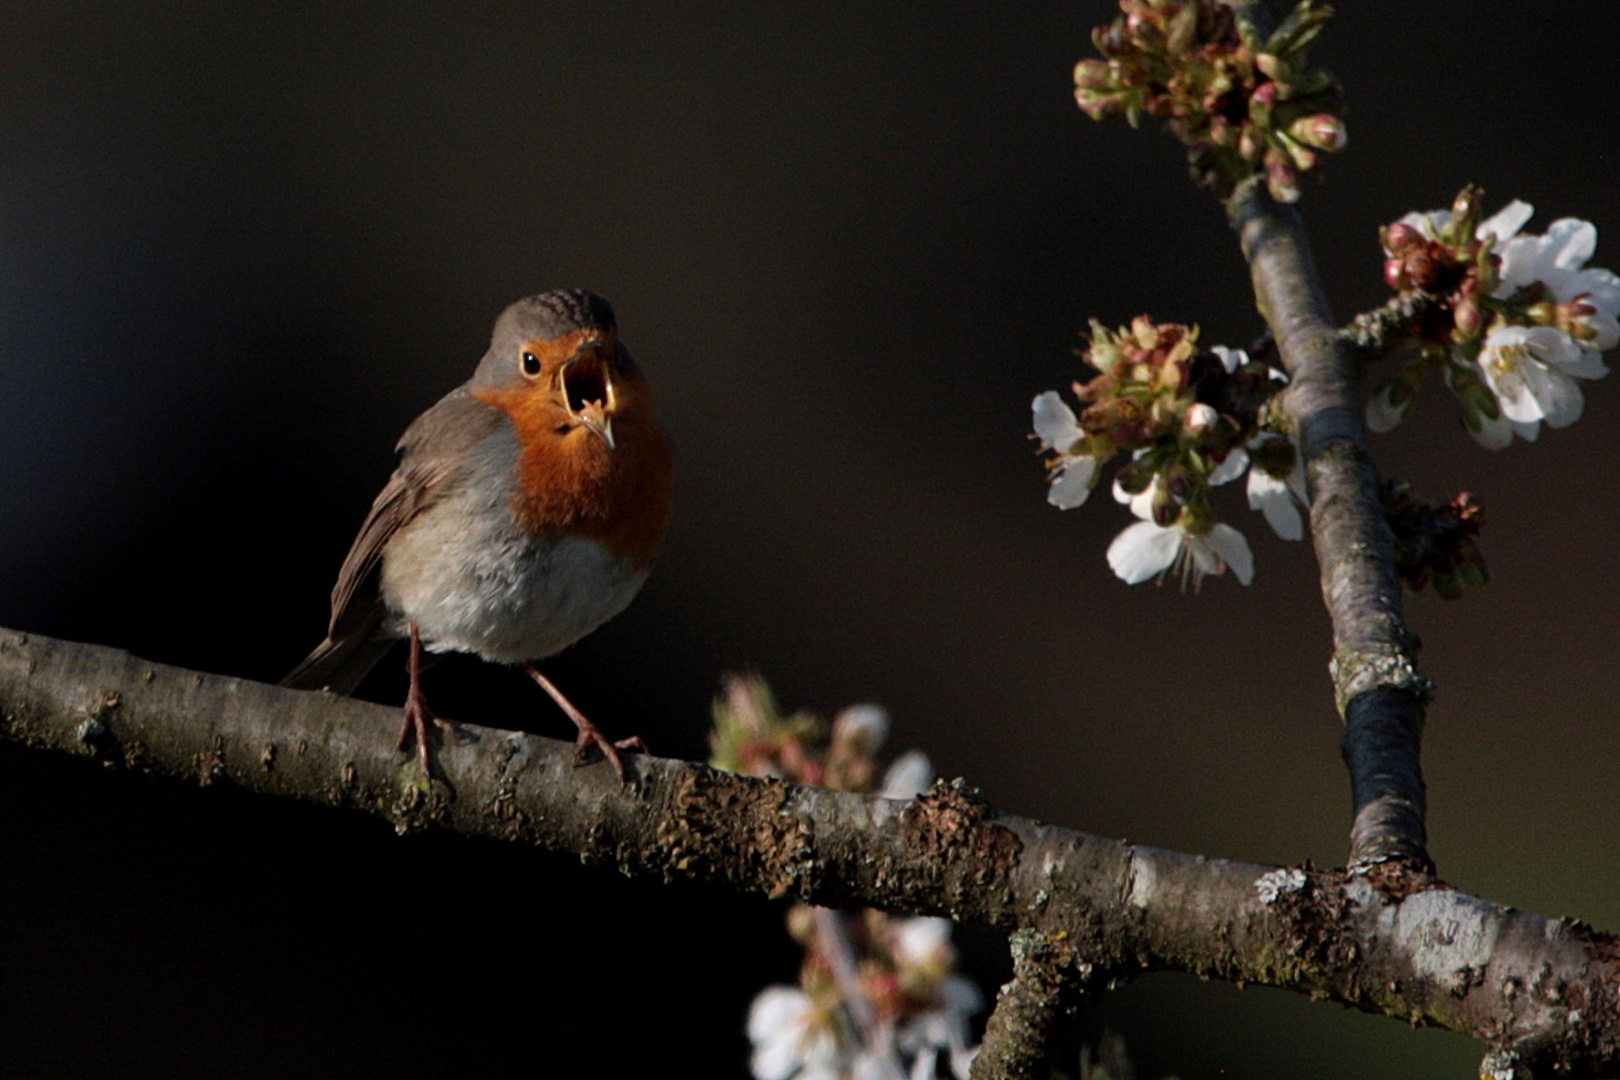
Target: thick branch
column 1385, row 941
column 1379, row 690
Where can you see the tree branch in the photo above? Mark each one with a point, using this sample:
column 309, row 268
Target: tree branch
column 1048, row 981
column 1380, row 693
column 1389, row 941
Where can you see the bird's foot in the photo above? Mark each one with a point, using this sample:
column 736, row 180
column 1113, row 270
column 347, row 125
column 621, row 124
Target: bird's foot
column 418, row 719
column 589, row 734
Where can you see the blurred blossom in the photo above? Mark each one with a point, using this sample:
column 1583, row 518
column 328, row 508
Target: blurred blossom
column 791, row 1042
column 878, row 996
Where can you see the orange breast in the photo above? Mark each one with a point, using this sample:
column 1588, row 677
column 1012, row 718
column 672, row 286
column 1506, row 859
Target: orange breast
column 570, row 482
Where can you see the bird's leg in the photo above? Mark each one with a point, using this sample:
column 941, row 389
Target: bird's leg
column 417, row 713
column 589, row 734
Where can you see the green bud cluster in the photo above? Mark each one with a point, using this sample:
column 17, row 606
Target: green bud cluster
column 1242, row 106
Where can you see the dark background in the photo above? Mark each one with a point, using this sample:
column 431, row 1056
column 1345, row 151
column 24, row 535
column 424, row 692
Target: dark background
column 241, row 247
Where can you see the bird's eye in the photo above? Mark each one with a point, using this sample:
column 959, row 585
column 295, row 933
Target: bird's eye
column 531, row 364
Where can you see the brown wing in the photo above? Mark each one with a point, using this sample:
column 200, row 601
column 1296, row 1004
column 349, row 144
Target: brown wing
column 433, row 456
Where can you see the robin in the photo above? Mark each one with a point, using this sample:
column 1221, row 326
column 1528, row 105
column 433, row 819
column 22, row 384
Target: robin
column 525, row 512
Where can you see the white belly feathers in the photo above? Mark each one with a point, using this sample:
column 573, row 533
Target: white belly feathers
column 472, row 581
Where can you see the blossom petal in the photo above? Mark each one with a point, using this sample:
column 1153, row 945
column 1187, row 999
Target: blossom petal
column 1527, row 432
column 865, row 725
column 1382, row 414
column 1571, row 242
column 1589, row 365
column 1522, row 261
column 917, row 941
column 1142, row 551
column 1071, row 485
column 776, row 1022
column 961, row 996
column 1055, row 423
column 1558, row 395
column 1231, row 468
column 1233, row 549
column 1274, row 498
column 1231, row 359
column 1494, row 434
column 910, row 775
column 1506, row 222
column 1600, row 285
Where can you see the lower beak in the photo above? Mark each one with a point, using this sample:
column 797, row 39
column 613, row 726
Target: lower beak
column 598, row 422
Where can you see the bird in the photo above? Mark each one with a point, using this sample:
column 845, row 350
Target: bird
column 526, row 510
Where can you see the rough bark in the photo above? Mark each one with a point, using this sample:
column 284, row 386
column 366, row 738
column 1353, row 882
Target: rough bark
column 1049, row 979
column 1541, row 992
column 1380, row 693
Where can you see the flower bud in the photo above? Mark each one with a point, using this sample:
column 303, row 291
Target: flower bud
column 1422, row 270
column 1280, row 179
column 1323, row 131
column 1304, row 160
column 1468, row 318
column 1199, row 418
column 1401, row 237
column 1260, row 103
column 1542, row 313
column 1250, row 144
column 1093, row 75
column 1395, row 275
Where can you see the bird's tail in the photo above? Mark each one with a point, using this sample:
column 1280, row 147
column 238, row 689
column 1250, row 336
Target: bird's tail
column 338, row 664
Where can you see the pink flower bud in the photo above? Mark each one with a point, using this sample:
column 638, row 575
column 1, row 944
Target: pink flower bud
column 1280, row 179
column 1323, row 131
column 1468, row 318
column 1395, row 275
column 1399, row 237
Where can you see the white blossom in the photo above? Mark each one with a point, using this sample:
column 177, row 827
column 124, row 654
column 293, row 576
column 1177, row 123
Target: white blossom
column 1558, row 261
column 1532, row 371
column 1073, row 474
column 788, row 1045
column 1147, row 550
column 1503, row 225
column 1280, row 499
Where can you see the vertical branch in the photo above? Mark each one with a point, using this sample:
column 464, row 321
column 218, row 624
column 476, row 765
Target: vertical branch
column 1380, row 693
column 1021, row 1038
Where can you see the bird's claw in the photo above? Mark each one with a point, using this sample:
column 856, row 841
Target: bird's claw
column 591, row 736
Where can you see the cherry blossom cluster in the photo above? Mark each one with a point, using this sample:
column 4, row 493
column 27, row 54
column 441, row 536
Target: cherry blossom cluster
column 1514, row 319
column 1191, row 420
column 877, row 997
column 1434, row 545
column 1242, row 106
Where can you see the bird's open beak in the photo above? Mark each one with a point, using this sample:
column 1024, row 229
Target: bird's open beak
column 588, row 393
column 598, row 422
